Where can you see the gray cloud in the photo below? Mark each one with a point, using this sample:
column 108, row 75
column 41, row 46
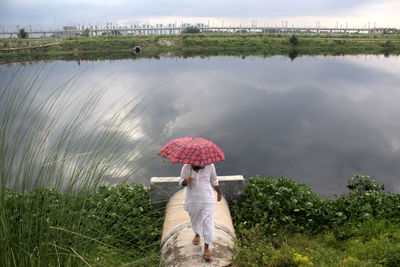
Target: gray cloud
column 55, row 13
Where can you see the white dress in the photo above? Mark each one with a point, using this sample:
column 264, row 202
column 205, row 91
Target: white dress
column 199, row 200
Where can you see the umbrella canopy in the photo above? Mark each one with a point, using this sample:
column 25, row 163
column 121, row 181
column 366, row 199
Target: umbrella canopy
column 192, row 150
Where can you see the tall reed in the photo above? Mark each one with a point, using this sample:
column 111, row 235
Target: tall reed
column 56, row 150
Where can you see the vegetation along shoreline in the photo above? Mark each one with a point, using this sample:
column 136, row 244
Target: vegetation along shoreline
column 192, row 45
column 278, row 223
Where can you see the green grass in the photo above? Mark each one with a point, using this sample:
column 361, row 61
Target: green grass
column 55, row 155
column 372, row 243
column 108, row 227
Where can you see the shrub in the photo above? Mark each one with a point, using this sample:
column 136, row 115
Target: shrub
column 22, row 33
column 294, row 40
column 281, row 204
column 361, row 183
column 127, row 214
column 277, row 204
column 282, row 223
column 191, row 30
column 388, row 44
column 364, row 201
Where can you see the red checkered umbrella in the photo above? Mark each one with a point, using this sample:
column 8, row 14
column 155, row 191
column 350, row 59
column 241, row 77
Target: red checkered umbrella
column 192, row 150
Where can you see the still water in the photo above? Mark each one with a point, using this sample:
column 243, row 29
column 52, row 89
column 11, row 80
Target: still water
column 317, row 120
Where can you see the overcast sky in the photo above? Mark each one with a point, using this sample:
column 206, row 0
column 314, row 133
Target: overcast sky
column 58, row 13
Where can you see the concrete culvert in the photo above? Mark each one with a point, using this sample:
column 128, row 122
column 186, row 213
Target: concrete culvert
column 137, row 50
column 176, row 241
column 176, row 245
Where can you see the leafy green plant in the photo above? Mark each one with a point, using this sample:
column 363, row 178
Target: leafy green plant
column 361, row 183
column 279, row 204
column 281, row 223
column 365, row 200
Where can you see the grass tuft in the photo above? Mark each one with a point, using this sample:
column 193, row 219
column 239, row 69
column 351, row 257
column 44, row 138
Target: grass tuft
column 57, row 152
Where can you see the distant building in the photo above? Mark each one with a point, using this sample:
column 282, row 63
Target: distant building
column 171, row 25
column 70, row 28
column 68, row 31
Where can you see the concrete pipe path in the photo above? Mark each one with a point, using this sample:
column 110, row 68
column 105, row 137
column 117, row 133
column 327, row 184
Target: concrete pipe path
column 176, row 241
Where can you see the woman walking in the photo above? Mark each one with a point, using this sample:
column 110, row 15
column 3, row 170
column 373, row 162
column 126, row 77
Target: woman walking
column 199, row 201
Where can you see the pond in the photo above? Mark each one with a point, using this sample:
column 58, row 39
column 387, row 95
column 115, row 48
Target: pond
column 317, row 120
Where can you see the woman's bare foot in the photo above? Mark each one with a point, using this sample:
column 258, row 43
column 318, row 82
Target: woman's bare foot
column 196, row 240
column 207, row 253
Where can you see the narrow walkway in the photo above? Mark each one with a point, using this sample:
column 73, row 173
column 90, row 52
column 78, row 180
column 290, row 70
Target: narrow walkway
column 176, row 245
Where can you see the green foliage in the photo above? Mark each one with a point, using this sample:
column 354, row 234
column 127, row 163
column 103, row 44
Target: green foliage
column 364, row 201
column 120, row 209
column 376, row 240
column 281, row 223
column 258, row 250
column 22, row 33
column 294, row 40
column 281, row 204
column 362, row 183
column 113, row 224
column 388, row 45
column 191, row 30
column 373, row 243
column 276, row 204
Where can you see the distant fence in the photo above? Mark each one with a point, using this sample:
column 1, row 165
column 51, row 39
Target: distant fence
column 206, row 29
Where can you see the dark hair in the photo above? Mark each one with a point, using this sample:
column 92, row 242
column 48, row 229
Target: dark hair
column 196, row 168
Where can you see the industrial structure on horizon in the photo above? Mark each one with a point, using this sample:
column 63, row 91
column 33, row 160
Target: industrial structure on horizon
column 173, row 28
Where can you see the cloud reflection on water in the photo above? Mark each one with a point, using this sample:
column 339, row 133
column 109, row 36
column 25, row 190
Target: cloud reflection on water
column 318, row 120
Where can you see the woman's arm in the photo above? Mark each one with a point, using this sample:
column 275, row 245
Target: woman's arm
column 213, row 176
column 219, row 194
column 185, row 179
column 214, row 182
